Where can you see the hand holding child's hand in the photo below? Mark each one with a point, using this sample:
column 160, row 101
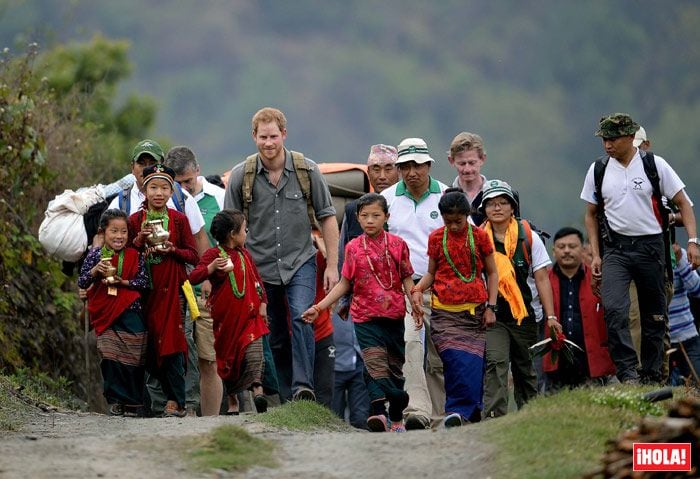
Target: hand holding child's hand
column 309, row 315
column 417, row 300
column 417, row 314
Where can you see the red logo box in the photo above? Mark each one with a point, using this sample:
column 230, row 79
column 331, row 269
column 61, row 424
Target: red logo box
column 661, row 456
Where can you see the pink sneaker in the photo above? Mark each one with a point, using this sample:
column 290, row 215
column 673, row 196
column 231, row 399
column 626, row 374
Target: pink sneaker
column 377, row 423
column 398, row 427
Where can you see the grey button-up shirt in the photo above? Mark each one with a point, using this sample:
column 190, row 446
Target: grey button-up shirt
column 279, row 232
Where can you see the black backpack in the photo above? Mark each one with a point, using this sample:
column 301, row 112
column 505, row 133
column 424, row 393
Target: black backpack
column 661, row 207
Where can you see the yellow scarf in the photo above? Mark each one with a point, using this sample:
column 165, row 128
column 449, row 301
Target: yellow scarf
column 507, row 283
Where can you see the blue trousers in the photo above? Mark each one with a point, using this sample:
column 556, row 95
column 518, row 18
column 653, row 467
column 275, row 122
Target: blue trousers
column 291, row 339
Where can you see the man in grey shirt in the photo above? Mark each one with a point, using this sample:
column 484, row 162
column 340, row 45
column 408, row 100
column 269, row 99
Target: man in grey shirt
column 279, row 240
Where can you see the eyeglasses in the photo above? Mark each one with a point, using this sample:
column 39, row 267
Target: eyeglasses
column 500, row 204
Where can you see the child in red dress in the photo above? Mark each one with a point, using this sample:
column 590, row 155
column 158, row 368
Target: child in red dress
column 165, row 262
column 238, row 307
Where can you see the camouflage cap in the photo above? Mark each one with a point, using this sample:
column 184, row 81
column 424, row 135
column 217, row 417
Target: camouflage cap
column 616, row 125
column 149, row 147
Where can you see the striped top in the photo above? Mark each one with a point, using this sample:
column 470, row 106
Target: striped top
column 686, row 282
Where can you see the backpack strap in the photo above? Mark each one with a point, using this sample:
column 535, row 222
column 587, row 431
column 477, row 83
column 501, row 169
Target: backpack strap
column 179, row 198
column 302, row 169
column 604, row 230
column 249, row 172
column 598, row 174
column 660, row 211
column 527, row 240
column 125, row 200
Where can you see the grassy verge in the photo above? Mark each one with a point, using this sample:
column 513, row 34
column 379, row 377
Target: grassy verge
column 13, row 411
column 303, row 416
column 564, row 435
column 230, row 448
column 24, row 393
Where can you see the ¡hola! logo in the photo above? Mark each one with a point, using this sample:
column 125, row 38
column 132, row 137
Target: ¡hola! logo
column 663, row 456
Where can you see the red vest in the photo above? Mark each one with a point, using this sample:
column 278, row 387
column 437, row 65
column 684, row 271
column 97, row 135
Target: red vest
column 595, row 335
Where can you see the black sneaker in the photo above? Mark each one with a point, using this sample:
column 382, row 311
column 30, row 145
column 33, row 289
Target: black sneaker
column 415, row 422
column 260, row 402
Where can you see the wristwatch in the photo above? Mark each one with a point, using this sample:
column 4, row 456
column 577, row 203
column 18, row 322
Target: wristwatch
column 492, row 307
column 694, row 240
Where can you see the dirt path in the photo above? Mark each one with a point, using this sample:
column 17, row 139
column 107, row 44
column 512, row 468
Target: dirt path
column 75, row 445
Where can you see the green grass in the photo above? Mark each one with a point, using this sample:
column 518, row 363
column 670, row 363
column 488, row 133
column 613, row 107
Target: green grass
column 231, row 448
column 23, row 391
column 40, row 387
column 13, row 411
column 564, row 435
column 303, row 416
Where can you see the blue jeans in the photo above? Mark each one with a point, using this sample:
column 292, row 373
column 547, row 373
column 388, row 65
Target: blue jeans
column 350, row 392
column 293, row 353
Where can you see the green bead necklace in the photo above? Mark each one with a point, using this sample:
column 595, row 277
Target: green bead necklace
column 470, row 235
column 232, row 278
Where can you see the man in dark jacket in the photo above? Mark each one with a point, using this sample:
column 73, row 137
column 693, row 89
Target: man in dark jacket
column 580, row 313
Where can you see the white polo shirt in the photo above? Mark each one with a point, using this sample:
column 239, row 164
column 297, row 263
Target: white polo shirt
column 627, row 194
column 414, row 220
column 194, row 216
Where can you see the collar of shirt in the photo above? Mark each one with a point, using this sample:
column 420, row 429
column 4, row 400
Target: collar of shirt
column 578, row 276
column 288, row 162
column 433, row 187
column 211, row 190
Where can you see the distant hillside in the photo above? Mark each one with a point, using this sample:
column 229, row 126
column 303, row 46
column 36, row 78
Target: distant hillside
column 531, row 77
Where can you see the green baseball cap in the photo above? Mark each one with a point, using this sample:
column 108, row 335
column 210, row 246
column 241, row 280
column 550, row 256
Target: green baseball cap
column 616, row 125
column 148, row 147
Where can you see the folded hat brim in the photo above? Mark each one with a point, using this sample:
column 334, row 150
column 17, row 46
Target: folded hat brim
column 419, row 158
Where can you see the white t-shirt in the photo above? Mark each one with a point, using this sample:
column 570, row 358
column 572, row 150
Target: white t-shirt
column 194, row 216
column 540, row 259
column 627, row 194
column 211, row 190
column 415, row 221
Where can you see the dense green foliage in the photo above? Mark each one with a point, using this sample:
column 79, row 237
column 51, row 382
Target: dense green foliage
column 531, row 77
column 57, row 131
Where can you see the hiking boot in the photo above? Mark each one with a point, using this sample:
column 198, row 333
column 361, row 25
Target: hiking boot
column 453, row 420
column 377, row 423
column 415, row 422
column 304, row 394
column 173, row 409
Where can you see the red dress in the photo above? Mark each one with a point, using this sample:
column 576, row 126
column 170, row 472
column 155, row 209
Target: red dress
column 162, row 303
column 237, row 321
column 105, row 309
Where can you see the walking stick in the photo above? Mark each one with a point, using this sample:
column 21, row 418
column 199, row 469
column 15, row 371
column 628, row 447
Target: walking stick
column 86, row 326
column 690, row 364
